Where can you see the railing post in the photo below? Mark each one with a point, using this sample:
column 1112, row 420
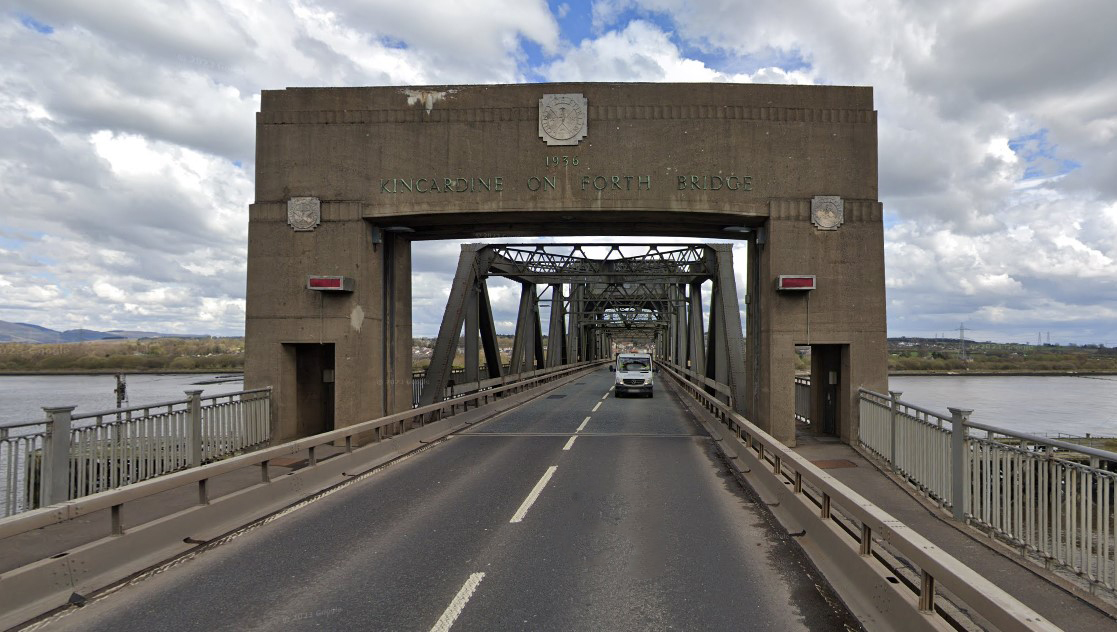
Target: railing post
column 892, row 425
column 958, row 419
column 194, row 429
column 54, row 484
column 926, row 592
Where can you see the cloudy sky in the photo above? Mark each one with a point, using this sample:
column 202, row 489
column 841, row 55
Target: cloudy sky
column 127, row 137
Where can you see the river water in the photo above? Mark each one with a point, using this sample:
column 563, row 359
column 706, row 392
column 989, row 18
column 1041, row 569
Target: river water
column 1042, row 405
column 22, row 397
column 1047, row 405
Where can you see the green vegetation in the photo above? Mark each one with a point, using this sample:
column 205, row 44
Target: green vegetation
column 939, row 355
column 153, row 355
column 802, row 362
column 147, row 355
column 423, row 348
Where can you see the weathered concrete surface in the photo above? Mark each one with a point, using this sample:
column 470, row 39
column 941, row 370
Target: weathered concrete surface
column 846, row 309
column 657, row 159
column 370, row 327
column 341, row 144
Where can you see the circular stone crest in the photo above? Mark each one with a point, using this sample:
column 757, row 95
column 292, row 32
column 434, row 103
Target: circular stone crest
column 827, row 212
column 562, row 118
column 304, row 213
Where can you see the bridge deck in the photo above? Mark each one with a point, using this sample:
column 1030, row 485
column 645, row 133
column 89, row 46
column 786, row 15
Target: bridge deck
column 639, row 526
column 1018, row 577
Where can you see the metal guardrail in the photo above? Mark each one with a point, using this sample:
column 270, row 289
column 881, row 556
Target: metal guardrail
column 378, row 429
column 829, row 498
column 19, row 477
column 1016, row 485
column 918, row 448
column 37, row 587
column 719, row 390
column 419, row 381
column 69, row 456
column 803, row 399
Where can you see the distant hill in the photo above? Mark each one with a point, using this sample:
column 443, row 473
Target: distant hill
column 25, row 332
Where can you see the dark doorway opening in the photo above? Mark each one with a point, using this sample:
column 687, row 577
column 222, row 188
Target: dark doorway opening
column 314, row 388
column 827, row 389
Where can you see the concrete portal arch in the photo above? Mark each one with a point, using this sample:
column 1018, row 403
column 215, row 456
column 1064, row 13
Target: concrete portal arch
column 348, row 178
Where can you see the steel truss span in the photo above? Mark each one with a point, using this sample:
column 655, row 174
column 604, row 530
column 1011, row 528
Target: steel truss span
column 599, row 295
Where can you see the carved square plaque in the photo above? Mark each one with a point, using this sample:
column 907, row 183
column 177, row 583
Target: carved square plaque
column 304, row 213
column 562, row 118
column 827, row 212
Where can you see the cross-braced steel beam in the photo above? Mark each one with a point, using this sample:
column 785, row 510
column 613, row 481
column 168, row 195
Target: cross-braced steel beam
column 647, row 295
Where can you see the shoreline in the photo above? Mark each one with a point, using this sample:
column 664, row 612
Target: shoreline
column 904, row 373
column 13, row 372
column 1016, row 373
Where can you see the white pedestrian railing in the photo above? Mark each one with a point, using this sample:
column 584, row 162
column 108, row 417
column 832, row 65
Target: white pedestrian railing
column 19, row 480
column 68, row 456
column 1047, row 497
column 803, row 399
column 918, row 450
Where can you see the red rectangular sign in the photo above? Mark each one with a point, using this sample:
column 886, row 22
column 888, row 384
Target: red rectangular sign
column 333, row 283
column 796, row 282
column 325, row 282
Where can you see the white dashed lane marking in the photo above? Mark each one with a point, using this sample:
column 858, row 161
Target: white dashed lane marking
column 535, row 491
column 458, row 604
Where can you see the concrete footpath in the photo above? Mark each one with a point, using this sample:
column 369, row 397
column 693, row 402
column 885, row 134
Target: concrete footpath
column 1021, row 578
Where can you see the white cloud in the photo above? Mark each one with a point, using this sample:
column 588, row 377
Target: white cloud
column 121, row 133
column 108, row 291
column 969, row 236
column 641, row 51
column 454, row 42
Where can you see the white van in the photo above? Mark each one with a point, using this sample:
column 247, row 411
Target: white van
column 634, row 374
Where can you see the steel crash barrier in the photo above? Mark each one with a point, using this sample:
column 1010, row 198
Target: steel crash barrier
column 419, row 381
column 854, row 543
column 36, row 588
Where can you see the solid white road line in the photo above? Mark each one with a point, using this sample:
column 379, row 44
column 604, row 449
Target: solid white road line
column 458, row 604
column 598, row 405
column 522, row 511
column 584, row 422
column 570, row 442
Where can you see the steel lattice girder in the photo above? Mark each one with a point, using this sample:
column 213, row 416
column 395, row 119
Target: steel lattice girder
column 630, row 292
column 539, row 263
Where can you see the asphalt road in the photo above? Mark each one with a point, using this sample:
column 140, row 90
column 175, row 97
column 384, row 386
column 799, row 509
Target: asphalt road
column 578, row 511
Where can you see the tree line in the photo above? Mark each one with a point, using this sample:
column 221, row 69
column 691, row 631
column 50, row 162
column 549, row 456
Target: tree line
column 130, row 356
column 1037, row 360
column 211, row 354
